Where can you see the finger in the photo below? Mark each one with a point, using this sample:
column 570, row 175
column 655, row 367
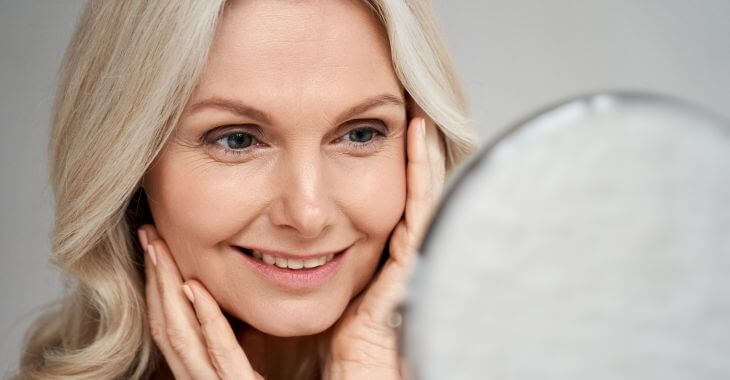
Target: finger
column 156, row 320
column 142, row 236
column 385, row 293
column 227, row 356
column 436, row 150
column 419, row 199
column 418, row 163
column 181, row 326
column 150, row 232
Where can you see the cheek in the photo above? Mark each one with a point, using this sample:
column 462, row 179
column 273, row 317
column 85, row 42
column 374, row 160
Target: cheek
column 373, row 199
column 196, row 206
column 371, row 193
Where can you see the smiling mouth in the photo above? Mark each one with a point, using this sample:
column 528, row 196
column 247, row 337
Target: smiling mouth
column 289, row 263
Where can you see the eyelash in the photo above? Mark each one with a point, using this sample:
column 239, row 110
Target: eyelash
column 226, row 150
column 213, row 141
column 377, row 135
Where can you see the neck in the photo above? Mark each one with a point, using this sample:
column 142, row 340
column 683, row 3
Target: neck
column 276, row 357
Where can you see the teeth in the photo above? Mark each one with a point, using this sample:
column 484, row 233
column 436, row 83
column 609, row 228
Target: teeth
column 292, row 263
column 311, row 263
column 267, row 258
column 281, row 262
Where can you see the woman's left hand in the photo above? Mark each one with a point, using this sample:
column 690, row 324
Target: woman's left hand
column 363, row 344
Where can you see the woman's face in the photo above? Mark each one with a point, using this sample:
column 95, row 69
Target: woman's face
column 291, row 145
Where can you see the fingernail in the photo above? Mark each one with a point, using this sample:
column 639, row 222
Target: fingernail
column 188, row 293
column 422, row 128
column 143, row 238
column 153, row 255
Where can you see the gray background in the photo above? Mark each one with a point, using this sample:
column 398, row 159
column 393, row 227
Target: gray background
column 514, row 56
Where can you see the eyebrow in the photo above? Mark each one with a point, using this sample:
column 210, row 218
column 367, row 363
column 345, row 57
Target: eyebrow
column 244, row 110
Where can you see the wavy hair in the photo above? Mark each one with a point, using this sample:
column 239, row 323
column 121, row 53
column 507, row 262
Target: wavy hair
column 125, row 78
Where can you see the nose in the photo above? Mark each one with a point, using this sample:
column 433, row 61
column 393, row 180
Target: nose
column 303, row 202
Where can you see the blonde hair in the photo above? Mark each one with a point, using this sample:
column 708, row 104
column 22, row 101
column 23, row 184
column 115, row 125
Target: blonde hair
column 126, row 77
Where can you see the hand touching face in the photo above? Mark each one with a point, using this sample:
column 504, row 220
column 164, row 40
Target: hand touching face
column 364, row 342
column 291, row 147
column 197, row 341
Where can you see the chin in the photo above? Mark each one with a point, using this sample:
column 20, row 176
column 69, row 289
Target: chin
column 293, row 327
column 293, row 330
column 292, row 318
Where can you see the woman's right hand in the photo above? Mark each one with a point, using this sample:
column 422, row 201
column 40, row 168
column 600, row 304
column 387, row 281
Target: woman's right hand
column 186, row 322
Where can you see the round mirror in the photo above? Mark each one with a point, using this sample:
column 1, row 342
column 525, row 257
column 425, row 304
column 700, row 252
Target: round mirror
column 591, row 241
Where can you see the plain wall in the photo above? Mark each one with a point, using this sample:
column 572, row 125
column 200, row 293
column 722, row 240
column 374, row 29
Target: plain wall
column 515, row 56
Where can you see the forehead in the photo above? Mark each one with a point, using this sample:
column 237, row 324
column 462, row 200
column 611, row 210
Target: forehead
column 276, row 52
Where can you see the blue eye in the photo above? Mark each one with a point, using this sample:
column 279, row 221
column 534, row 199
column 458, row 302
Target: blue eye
column 236, row 141
column 361, row 135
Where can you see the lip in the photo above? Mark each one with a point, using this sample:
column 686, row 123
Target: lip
column 288, row 255
column 296, row 279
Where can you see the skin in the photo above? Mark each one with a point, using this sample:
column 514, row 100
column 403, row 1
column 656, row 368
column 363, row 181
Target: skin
column 335, row 163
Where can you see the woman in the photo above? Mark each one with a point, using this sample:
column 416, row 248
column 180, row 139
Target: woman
column 277, row 162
